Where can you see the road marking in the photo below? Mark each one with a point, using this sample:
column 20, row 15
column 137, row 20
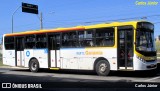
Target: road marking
column 153, row 78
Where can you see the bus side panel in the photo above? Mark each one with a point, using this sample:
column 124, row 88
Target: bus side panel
column 69, row 59
column 84, row 58
column 42, row 57
column 9, row 57
column 91, row 54
column 70, row 63
column 28, row 54
column 111, row 55
column 86, row 63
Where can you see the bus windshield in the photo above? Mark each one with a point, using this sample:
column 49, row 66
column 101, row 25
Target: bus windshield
column 145, row 40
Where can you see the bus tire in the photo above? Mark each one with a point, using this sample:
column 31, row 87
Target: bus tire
column 102, row 68
column 33, row 65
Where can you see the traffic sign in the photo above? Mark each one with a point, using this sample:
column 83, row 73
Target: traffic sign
column 29, row 8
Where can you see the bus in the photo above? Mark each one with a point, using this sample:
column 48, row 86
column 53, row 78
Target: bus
column 116, row 46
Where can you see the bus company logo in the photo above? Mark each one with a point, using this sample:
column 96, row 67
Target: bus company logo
column 27, row 53
column 6, row 85
column 90, row 53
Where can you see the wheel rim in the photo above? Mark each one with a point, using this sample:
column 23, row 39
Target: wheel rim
column 102, row 68
column 34, row 66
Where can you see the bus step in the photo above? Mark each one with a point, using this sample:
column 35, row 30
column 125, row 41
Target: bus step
column 54, row 68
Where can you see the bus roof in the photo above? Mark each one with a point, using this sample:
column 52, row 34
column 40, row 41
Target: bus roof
column 113, row 24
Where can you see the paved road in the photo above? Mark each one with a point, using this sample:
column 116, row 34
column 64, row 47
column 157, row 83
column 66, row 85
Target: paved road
column 85, row 80
column 24, row 75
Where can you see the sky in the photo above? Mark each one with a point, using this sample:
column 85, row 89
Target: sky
column 69, row 13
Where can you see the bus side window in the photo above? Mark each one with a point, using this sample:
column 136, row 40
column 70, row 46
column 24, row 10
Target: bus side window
column 88, row 37
column 69, row 39
column 104, row 37
column 30, row 41
column 41, row 41
column 9, row 43
column 81, row 41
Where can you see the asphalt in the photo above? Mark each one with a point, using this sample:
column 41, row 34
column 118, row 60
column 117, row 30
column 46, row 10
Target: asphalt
column 79, row 80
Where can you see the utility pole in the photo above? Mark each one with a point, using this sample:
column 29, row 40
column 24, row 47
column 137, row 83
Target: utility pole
column 41, row 21
column 29, row 8
column 12, row 18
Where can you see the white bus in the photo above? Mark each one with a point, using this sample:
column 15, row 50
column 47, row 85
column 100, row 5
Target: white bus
column 101, row 47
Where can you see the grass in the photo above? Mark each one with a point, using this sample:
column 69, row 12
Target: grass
column 158, row 46
column 1, row 64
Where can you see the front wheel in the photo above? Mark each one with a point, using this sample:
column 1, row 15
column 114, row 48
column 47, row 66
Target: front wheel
column 33, row 65
column 102, row 68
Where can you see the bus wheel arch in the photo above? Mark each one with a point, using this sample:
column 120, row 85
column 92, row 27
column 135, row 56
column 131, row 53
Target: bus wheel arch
column 102, row 66
column 33, row 65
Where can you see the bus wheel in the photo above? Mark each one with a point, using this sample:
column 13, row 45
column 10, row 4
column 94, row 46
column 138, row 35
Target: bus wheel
column 33, row 65
column 102, row 68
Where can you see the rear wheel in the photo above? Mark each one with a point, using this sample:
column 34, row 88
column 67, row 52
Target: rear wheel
column 34, row 65
column 102, row 68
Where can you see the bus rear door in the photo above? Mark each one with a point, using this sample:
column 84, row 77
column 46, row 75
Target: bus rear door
column 19, row 51
column 54, row 50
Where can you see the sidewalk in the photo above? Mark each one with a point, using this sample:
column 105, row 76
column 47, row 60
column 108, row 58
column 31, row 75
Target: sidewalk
column 12, row 67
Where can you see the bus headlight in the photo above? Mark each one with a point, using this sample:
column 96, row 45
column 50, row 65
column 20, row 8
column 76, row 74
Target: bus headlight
column 142, row 59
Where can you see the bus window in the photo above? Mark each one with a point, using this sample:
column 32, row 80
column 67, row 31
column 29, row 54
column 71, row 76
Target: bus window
column 85, row 38
column 9, row 43
column 30, row 41
column 69, row 39
column 41, row 41
column 105, row 37
column 80, row 38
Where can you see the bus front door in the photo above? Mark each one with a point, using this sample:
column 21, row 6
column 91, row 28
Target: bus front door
column 19, row 52
column 54, row 50
column 125, row 48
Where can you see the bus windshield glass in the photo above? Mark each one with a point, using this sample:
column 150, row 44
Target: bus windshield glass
column 145, row 39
